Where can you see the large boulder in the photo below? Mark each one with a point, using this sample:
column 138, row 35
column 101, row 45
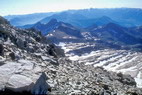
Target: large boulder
column 23, row 76
column 19, row 83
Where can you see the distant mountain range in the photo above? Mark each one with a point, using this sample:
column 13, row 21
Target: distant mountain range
column 20, row 20
column 128, row 17
column 110, row 35
column 118, row 28
column 79, row 20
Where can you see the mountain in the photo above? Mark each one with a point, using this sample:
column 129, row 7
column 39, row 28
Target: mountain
column 65, row 17
column 127, row 17
column 103, row 20
column 78, row 20
column 31, row 65
column 115, row 33
column 137, row 31
column 45, row 28
column 94, row 21
column 59, row 28
column 110, row 35
column 20, row 20
column 82, row 23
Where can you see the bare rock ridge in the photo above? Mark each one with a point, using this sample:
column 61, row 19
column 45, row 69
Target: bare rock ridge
column 24, row 57
column 30, row 65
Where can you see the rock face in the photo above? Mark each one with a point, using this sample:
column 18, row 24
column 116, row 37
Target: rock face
column 41, row 86
column 22, row 68
column 21, row 76
column 19, row 83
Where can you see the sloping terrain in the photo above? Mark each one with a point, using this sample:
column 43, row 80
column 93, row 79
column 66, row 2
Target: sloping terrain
column 111, row 46
column 29, row 64
column 125, row 61
column 24, row 57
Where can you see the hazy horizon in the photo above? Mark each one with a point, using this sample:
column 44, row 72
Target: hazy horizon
column 19, row 7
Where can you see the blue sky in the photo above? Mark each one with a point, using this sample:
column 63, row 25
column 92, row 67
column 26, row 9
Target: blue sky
column 9, row 7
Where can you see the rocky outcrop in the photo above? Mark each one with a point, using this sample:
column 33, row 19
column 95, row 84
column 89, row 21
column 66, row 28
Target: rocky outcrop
column 23, row 61
column 22, row 76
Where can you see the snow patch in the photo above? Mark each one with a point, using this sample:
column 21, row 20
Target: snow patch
column 63, row 46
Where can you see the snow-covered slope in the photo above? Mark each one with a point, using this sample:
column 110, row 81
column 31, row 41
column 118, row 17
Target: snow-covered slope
column 125, row 61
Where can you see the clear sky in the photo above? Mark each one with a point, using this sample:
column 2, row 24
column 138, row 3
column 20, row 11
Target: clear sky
column 9, row 7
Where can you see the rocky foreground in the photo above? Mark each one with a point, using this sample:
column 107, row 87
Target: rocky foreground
column 78, row 79
column 30, row 64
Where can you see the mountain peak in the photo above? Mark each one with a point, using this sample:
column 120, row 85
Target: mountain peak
column 105, row 17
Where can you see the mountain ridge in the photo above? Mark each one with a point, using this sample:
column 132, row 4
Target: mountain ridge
column 123, row 16
column 20, row 20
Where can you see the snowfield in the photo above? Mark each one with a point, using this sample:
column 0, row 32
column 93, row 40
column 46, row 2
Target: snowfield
column 124, row 61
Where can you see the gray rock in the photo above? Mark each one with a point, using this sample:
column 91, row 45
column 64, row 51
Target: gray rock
column 12, row 55
column 20, row 43
column 1, row 50
column 23, row 76
column 52, row 61
column 19, row 83
column 41, row 87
